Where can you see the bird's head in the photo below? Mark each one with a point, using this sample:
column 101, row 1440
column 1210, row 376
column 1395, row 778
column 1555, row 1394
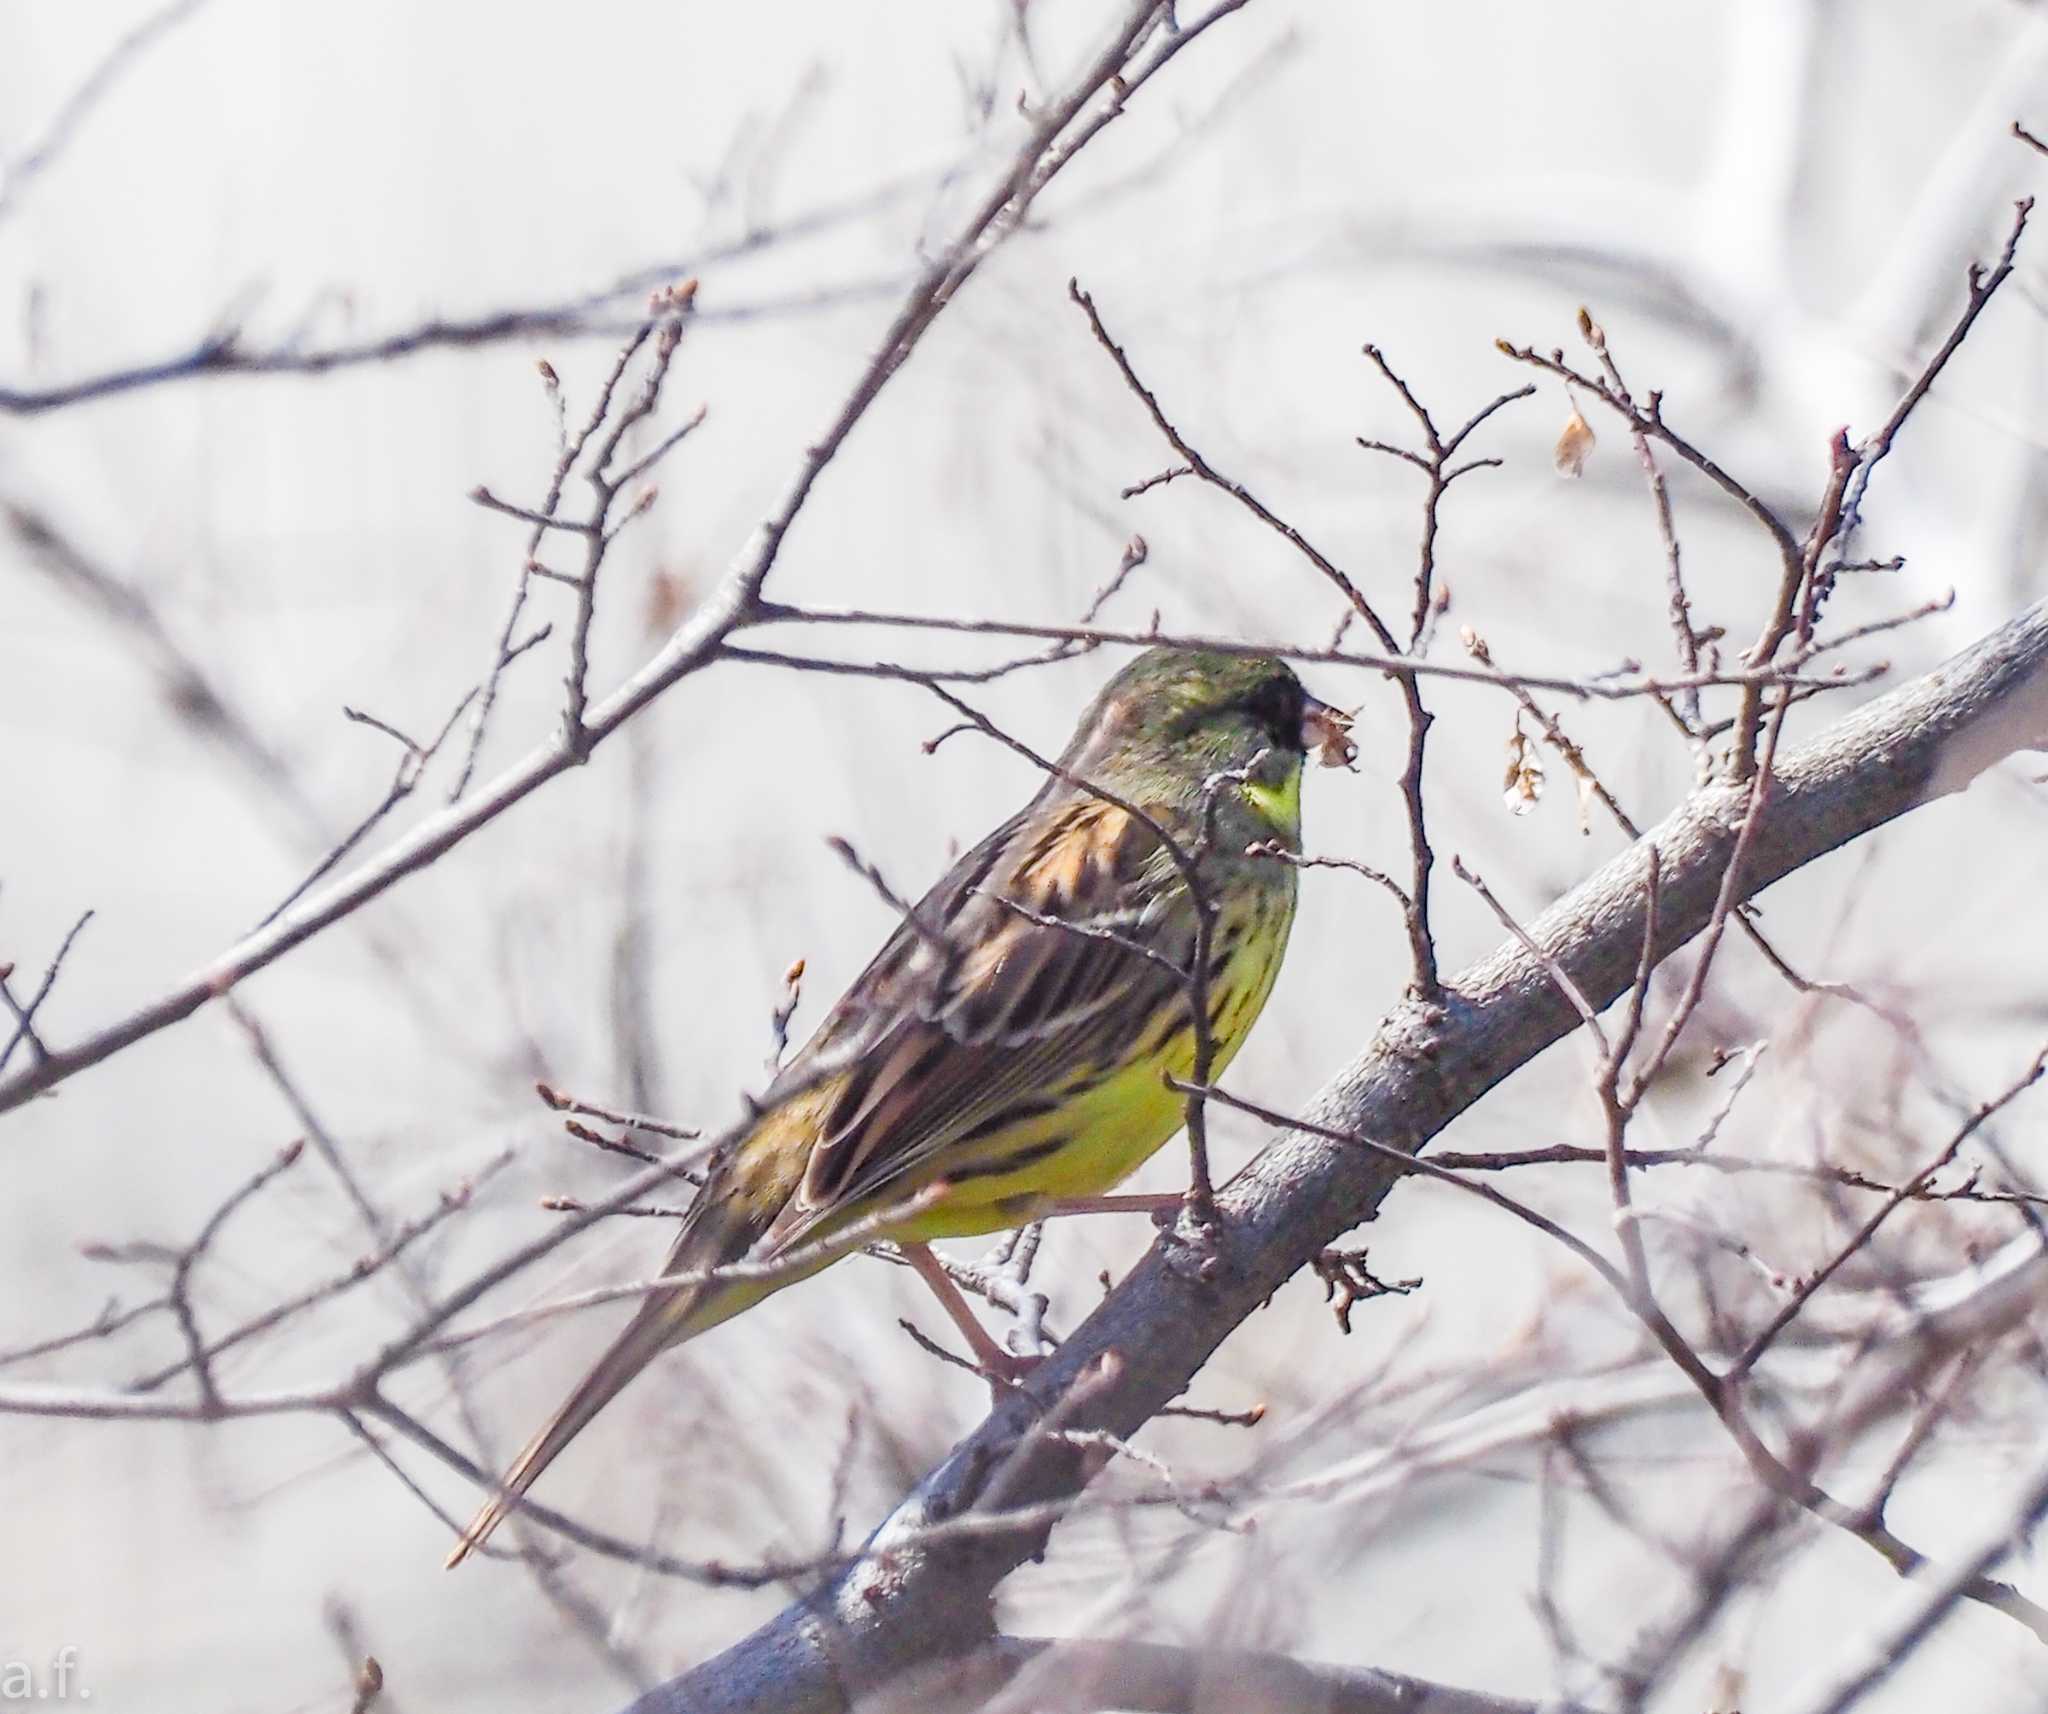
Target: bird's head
column 1182, row 715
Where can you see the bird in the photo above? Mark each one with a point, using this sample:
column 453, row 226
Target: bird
column 1008, row 1054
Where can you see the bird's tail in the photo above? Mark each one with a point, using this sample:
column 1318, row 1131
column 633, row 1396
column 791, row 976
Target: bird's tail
column 723, row 1234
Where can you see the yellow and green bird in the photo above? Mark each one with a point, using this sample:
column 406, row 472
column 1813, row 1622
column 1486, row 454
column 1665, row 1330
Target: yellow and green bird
column 1007, row 1053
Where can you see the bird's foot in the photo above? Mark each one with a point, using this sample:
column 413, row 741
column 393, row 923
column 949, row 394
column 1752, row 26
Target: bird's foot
column 1190, row 1225
column 1191, row 1230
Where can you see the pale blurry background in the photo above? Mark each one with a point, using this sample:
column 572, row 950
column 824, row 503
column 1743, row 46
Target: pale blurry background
column 1769, row 205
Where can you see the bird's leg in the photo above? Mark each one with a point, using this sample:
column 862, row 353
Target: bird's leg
column 1188, row 1229
column 1162, row 1207
column 993, row 1361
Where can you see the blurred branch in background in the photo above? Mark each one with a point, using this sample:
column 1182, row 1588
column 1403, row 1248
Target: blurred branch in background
column 20, row 169
column 609, row 310
column 736, row 193
column 603, row 312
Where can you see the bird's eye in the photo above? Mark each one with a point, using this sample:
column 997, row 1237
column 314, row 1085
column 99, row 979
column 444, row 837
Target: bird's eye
column 1277, row 706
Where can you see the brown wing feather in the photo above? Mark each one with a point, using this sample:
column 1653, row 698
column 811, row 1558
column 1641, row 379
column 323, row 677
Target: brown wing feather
column 946, row 1039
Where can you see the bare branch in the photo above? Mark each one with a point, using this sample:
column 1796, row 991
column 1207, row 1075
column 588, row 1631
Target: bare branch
column 18, row 173
column 25, row 1016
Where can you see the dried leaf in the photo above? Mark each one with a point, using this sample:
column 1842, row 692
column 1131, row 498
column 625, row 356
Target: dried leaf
column 1327, row 731
column 369, row 1683
column 1523, row 787
column 1574, row 444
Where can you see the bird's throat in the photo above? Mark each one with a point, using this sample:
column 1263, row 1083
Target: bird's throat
column 1279, row 803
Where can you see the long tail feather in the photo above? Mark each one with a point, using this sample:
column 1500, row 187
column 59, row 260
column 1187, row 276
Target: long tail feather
column 662, row 1321
column 719, row 1230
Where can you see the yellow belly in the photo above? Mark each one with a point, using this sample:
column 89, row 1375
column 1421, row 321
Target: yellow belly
column 1115, row 1126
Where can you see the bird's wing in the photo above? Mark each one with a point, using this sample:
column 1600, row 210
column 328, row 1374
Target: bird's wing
column 1023, row 962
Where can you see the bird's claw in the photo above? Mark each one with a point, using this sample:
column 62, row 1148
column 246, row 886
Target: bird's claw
column 1191, row 1230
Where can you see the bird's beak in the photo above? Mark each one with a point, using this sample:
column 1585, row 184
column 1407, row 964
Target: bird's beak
column 1327, row 732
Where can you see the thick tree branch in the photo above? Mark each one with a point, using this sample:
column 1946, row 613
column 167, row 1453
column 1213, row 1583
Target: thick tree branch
column 904, row 1607
column 1066, row 1675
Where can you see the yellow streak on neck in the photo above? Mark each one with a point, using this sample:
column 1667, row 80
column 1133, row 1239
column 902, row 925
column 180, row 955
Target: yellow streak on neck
column 1279, row 803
